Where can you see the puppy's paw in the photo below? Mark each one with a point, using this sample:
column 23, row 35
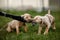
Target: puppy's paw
column 45, row 33
column 39, row 34
column 54, row 28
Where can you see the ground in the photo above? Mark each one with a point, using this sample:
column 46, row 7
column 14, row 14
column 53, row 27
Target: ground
column 32, row 32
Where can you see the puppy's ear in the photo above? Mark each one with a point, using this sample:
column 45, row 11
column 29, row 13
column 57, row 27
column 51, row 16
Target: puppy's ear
column 41, row 22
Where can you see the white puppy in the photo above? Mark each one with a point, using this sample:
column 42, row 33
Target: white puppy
column 15, row 24
column 47, row 20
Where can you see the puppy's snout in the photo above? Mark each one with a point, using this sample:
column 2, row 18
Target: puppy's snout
column 33, row 23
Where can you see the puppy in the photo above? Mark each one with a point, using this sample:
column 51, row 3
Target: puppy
column 47, row 20
column 15, row 24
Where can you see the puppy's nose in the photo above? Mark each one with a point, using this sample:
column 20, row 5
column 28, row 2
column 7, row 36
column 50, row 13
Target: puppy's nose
column 33, row 23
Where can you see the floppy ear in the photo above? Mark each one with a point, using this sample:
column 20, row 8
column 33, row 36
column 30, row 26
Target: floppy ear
column 41, row 22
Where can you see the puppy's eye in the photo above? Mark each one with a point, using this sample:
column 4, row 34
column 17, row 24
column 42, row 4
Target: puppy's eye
column 26, row 17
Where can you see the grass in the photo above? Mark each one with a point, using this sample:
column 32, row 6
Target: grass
column 32, row 32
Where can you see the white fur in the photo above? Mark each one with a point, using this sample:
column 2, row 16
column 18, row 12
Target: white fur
column 15, row 24
column 48, row 20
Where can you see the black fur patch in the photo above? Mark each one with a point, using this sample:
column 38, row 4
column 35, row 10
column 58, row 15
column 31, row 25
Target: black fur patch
column 19, row 18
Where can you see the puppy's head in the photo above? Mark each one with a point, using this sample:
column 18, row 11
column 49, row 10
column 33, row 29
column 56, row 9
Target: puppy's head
column 8, row 29
column 36, row 19
column 27, row 17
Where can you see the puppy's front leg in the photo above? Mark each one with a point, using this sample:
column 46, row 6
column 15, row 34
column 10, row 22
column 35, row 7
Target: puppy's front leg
column 9, row 29
column 17, row 29
column 25, row 28
column 47, row 29
column 40, row 29
column 53, row 25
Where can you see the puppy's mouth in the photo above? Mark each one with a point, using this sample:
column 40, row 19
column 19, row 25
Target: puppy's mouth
column 34, row 23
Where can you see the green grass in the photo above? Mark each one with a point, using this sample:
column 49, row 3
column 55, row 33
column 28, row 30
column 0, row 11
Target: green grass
column 32, row 32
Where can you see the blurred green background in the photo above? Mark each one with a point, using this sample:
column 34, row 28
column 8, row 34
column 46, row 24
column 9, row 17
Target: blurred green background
column 32, row 30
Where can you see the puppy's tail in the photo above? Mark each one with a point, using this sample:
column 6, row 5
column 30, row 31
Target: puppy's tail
column 48, row 11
